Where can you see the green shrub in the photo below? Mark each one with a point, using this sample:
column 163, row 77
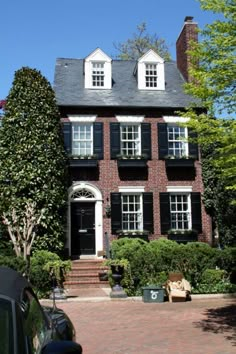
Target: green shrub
column 39, row 277
column 192, row 259
column 226, row 259
column 150, row 262
column 17, row 263
column 214, row 281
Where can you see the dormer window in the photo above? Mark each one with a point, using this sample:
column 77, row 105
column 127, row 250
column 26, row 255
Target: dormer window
column 98, row 74
column 150, row 72
column 97, row 70
column 151, row 75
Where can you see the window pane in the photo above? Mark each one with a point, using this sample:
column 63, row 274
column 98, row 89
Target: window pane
column 180, row 211
column 82, row 142
column 177, row 144
column 130, row 140
column 6, row 327
column 35, row 324
column 131, row 212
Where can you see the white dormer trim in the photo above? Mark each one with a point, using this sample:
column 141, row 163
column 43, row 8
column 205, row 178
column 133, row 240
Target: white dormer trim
column 98, row 56
column 130, row 119
column 151, row 58
column 173, row 119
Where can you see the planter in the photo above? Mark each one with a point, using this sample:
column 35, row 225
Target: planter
column 134, row 163
column 83, row 163
column 173, row 163
column 183, row 237
column 134, row 234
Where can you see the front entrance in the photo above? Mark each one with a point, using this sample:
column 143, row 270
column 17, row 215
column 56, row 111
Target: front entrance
column 82, row 228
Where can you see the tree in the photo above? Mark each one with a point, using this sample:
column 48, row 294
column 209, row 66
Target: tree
column 33, row 172
column 213, row 85
column 213, row 71
column 140, row 43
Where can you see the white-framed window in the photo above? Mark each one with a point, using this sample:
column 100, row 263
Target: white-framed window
column 150, row 71
column 151, row 75
column 132, row 213
column 177, row 140
column 130, row 139
column 98, row 74
column 98, row 71
column 180, row 211
column 82, row 139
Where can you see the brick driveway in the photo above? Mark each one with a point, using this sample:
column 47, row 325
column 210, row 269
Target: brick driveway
column 200, row 326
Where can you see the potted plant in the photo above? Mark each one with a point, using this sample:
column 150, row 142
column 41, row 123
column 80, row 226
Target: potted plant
column 58, row 269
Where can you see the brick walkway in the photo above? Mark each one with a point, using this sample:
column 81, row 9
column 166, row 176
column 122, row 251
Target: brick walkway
column 111, row 327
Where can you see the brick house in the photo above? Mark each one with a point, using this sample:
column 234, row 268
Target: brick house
column 133, row 171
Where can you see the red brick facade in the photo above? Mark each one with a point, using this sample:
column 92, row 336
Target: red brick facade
column 154, row 179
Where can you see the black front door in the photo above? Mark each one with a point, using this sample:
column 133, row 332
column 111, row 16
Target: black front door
column 82, row 229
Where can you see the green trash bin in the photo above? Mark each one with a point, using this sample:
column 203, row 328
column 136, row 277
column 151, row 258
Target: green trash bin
column 153, row 293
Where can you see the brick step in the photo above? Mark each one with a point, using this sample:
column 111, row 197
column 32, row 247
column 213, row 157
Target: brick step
column 88, row 292
column 81, row 276
column 88, row 269
column 87, row 263
column 85, row 284
column 84, row 274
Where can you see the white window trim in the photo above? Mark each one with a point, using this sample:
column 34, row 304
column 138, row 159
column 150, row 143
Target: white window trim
column 173, row 119
column 130, row 119
column 91, row 130
column 139, row 136
column 151, row 57
column 98, row 56
column 179, row 189
column 140, row 194
column 82, row 118
column 184, row 140
column 131, row 189
column 189, row 212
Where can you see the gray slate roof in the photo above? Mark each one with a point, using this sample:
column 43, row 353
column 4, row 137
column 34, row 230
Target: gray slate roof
column 70, row 91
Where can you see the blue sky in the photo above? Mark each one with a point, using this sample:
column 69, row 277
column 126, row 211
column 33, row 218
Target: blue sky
column 36, row 32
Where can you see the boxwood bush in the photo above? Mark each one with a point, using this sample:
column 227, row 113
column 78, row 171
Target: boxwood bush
column 39, row 277
column 150, row 262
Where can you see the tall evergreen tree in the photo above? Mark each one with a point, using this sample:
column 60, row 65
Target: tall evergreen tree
column 33, row 177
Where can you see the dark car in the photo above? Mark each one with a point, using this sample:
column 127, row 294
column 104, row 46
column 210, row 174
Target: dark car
column 26, row 327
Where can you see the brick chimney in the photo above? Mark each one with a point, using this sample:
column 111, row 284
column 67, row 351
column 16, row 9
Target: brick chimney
column 188, row 33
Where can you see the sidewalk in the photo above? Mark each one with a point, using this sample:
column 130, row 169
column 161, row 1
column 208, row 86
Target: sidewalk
column 201, row 326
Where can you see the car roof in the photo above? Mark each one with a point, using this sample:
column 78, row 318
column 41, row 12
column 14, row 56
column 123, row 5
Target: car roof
column 12, row 283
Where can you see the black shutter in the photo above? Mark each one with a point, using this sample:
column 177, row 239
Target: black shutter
column 98, row 140
column 115, row 139
column 116, row 223
column 192, row 147
column 146, row 140
column 196, row 211
column 165, row 212
column 148, row 211
column 67, row 136
column 162, row 140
